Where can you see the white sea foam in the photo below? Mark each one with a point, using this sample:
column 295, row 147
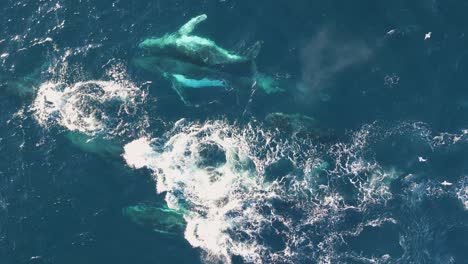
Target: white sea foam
column 139, row 153
column 80, row 106
column 89, row 107
column 462, row 192
column 229, row 204
column 210, row 191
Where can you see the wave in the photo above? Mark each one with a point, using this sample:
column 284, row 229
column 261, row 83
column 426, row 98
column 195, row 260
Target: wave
column 242, row 200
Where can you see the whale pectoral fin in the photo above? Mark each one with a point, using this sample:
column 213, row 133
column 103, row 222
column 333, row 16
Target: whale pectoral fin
column 253, row 51
column 191, row 24
column 180, row 92
column 163, row 232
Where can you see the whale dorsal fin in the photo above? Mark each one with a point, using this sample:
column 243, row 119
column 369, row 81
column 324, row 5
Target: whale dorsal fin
column 191, row 24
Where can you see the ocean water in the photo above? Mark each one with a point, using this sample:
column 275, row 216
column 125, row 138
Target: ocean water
column 344, row 139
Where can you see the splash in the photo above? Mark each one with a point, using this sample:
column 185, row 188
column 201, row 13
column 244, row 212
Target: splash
column 81, row 106
column 89, row 107
column 219, row 175
column 184, row 168
column 139, row 153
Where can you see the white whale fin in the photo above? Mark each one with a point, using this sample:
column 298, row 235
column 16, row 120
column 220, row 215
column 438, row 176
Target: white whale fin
column 179, row 90
column 191, row 24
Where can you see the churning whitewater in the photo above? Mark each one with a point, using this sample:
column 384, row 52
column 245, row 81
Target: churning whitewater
column 252, row 193
column 91, row 107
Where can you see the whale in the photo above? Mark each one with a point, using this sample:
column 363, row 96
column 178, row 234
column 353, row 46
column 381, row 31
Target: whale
column 187, row 78
column 159, row 218
column 198, row 50
column 98, row 145
column 192, row 62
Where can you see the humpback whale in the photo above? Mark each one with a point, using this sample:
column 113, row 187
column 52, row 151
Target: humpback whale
column 157, row 217
column 187, row 78
column 198, row 50
column 194, row 62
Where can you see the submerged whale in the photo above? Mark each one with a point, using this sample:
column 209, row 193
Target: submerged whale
column 187, row 78
column 98, row 145
column 159, row 218
column 194, row 62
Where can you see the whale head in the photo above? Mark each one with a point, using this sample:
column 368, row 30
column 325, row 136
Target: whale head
column 155, row 44
column 159, row 218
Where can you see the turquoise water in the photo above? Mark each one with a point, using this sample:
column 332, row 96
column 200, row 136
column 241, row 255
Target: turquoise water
column 305, row 132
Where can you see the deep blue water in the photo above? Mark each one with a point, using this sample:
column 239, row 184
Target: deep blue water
column 367, row 164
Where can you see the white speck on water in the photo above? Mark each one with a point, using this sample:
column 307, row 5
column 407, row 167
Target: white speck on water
column 446, row 183
column 391, row 32
column 428, row 35
column 254, row 84
column 421, row 159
